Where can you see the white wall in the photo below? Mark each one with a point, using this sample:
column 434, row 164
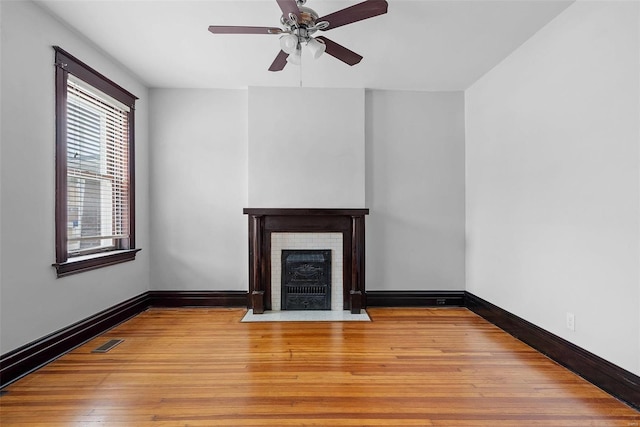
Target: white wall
column 212, row 149
column 1, row 31
column 415, row 190
column 199, row 176
column 552, row 148
column 306, row 148
column 33, row 302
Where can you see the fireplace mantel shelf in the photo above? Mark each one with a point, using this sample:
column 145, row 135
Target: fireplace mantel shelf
column 264, row 221
column 306, row 212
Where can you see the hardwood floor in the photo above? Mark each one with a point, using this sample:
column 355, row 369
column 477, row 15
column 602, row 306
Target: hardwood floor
column 408, row 367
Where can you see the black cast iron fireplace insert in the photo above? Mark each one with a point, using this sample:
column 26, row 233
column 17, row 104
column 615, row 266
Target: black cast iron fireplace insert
column 306, row 279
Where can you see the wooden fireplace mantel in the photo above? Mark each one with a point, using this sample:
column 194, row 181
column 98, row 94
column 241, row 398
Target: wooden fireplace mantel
column 264, row 221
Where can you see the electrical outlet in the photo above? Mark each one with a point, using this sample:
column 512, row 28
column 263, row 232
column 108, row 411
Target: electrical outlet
column 571, row 321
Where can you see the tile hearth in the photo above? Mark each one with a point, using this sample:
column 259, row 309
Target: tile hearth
column 306, row 316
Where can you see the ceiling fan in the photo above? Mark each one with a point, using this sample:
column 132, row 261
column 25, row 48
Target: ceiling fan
column 300, row 23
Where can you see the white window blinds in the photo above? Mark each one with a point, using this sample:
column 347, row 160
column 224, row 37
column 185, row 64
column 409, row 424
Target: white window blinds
column 97, row 170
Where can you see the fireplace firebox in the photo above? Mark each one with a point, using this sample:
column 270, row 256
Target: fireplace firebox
column 306, row 279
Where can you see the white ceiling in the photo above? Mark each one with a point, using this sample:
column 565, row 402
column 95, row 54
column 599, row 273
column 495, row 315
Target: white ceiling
column 419, row 45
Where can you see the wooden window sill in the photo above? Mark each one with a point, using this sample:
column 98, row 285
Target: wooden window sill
column 94, row 261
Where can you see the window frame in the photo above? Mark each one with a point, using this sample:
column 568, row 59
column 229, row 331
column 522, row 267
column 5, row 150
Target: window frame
column 66, row 64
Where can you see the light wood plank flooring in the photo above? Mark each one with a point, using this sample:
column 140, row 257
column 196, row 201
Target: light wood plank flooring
column 408, row 367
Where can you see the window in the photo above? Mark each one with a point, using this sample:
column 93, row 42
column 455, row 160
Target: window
column 95, row 215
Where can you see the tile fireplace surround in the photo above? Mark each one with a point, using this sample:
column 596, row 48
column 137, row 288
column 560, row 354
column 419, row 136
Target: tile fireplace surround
column 307, row 241
column 264, row 222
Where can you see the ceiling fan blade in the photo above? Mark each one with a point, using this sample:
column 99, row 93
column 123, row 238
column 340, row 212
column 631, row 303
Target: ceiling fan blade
column 340, row 52
column 289, row 6
column 365, row 10
column 230, row 29
column 279, row 62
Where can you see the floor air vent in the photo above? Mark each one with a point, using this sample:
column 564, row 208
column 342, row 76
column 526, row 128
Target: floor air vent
column 107, row 346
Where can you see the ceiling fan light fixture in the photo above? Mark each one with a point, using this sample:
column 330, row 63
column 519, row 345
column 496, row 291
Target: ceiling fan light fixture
column 316, row 47
column 289, row 43
column 295, row 58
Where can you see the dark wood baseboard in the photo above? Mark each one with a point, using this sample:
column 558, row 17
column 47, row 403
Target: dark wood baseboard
column 198, row 298
column 415, row 298
column 616, row 381
column 26, row 359
column 23, row 360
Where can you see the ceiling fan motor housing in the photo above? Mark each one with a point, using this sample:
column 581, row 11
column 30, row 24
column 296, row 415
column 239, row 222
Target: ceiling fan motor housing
column 308, row 18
